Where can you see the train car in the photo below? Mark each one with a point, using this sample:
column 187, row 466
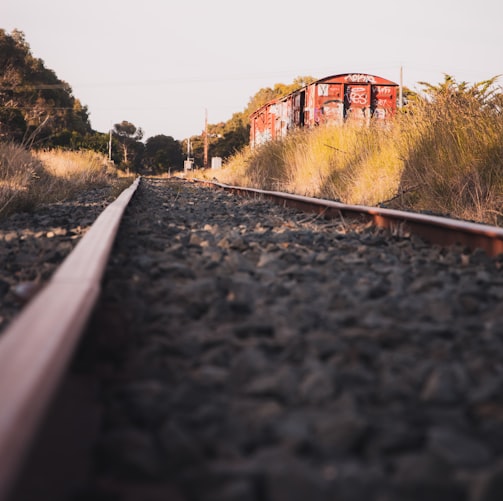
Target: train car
column 263, row 124
column 333, row 100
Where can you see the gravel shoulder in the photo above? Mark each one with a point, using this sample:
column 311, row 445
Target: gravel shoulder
column 32, row 245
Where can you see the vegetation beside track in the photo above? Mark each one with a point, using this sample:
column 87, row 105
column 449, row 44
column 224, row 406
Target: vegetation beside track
column 29, row 179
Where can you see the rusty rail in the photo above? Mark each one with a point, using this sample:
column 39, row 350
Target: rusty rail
column 37, row 346
column 434, row 229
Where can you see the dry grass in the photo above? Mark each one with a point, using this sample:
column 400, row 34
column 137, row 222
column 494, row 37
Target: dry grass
column 453, row 151
column 80, row 167
column 28, row 179
column 352, row 164
column 444, row 155
column 19, row 172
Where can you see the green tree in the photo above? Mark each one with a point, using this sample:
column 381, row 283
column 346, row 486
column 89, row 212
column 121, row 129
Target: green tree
column 162, row 153
column 35, row 105
column 230, row 137
column 12, row 124
column 128, row 136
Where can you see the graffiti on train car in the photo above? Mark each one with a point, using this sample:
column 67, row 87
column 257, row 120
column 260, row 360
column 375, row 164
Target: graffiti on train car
column 360, row 78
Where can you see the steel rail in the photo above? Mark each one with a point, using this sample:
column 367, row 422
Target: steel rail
column 36, row 348
column 433, row 229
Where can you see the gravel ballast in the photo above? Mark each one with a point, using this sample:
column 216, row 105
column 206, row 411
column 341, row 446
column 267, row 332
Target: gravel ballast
column 248, row 352
column 33, row 244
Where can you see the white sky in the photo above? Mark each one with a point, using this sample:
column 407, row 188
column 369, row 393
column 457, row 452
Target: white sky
column 161, row 63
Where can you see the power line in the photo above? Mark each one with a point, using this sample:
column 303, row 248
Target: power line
column 42, row 108
column 26, row 87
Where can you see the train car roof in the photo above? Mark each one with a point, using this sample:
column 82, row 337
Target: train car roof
column 266, row 105
column 355, row 78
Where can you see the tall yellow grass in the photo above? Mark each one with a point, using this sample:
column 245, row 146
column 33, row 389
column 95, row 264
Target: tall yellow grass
column 453, row 157
column 28, row 179
column 80, row 167
column 351, row 163
column 19, row 171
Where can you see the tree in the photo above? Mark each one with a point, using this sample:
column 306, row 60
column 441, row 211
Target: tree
column 12, row 124
column 231, row 136
column 128, row 136
column 35, row 104
column 484, row 93
column 162, row 153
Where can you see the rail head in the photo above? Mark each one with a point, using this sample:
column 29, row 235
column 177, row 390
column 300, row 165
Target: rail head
column 434, row 229
column 36, row 348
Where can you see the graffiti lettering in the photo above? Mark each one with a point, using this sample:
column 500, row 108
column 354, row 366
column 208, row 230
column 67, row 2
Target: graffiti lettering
column 323, row 90
column 382, row 103
column 381, row 91
column 357, row 95
column 360, row 78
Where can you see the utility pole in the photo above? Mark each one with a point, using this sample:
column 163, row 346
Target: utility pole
column 110, row 146
column 206, row 138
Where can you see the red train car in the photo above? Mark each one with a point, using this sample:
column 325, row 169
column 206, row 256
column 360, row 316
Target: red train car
column 332, row 100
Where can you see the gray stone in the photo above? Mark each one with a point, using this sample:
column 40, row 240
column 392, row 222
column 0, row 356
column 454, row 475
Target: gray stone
column 458, row 449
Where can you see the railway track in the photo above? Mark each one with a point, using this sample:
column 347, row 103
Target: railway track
column 254, row 352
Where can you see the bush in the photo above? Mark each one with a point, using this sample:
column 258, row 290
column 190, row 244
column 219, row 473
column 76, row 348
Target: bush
column 452, row 143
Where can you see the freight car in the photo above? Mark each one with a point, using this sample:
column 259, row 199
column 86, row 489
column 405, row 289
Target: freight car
column 333, row 100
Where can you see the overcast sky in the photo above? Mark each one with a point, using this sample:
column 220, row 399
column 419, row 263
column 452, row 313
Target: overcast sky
column 161, row 64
